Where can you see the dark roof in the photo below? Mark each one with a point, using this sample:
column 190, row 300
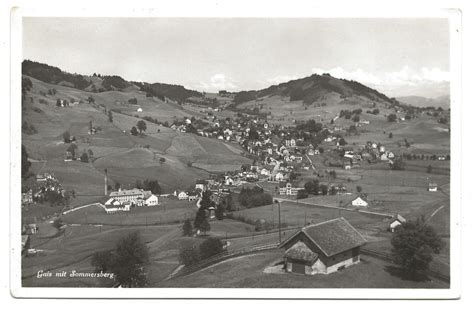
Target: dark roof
column 333, row 236
column 301, row 252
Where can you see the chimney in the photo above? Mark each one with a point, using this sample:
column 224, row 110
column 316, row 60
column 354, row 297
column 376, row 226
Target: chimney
column 105, row 182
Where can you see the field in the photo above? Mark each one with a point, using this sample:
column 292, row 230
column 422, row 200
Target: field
column 297, row 214
column 248, row 272
column 169, row 211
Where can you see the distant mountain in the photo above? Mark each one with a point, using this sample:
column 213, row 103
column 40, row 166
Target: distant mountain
column 316, row 87
column 418, row 101
column 101, row 83
column 53, row 75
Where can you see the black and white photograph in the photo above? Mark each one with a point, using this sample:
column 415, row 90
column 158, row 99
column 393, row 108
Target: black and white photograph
column 236, row 153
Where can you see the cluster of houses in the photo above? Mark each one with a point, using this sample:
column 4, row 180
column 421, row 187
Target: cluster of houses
column 218, row 187
column 45, row 183
column 124, row 200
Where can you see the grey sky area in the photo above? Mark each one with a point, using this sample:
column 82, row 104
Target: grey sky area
column 395, row 56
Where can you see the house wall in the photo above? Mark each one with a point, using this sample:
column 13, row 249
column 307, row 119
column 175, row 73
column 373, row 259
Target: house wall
column 345, row 263
column 394, row 224
column 340, row 257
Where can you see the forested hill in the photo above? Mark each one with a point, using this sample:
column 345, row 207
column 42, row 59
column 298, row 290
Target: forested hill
column 313, row 88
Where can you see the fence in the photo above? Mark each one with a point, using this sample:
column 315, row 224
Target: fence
column 187, row 270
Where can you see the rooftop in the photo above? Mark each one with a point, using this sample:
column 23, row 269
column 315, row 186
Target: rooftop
column 126, row 192
column 333, row 236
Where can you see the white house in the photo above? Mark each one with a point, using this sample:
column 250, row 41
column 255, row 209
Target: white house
column 359, row 202
column 396, row 221
column 151, row 200
column 279, row 176
column 265, row 172
column 139, row 110
column 432, row 187
column 182, row 195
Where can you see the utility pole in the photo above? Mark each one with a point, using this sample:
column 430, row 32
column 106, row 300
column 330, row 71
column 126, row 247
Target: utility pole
column 279, row 220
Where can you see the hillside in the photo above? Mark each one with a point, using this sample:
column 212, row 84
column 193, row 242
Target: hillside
column 128, row 158
column 442, row 101
column 100, row 83
column 316, row 88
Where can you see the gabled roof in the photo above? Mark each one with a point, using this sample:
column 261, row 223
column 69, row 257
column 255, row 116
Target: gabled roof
column 332, row 237
column 301, row 252
column 399, row 218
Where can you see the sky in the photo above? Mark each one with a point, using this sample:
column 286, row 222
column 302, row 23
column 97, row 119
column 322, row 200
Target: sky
column 395, row 56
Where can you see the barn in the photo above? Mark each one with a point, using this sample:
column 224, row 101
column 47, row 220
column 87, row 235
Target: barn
column 323, row 248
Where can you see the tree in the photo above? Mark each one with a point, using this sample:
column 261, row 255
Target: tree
column 253, row 134
column 101, row 260
column 324, row 189
column 200, row 217
column 187, row 228
column 398, row 164
column 429, row 169
column 90, row 153
column 189, row 255
column 84, row 157
column 356, row 118
column 117, row 186
column 321, row 150
column 342, row 142
column 129, row 260
column 162, row 160
column 58, row 103
column 302, row 194
column 220, row 211
column 392, row 118
column 413, row 245
column 210, row 247
column 359, row 189
column 72, row 149
column 390, row 135
column 67, row 137
column 134, row 131
column 25, row 163
column 141, row 126
column 111, row 118
column 205, row 226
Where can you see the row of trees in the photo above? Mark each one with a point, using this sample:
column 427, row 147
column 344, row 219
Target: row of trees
column 254, row 197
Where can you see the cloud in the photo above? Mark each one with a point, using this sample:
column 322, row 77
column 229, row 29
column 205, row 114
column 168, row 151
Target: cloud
column 406, row 76
column 217, row 82
column 280, row 79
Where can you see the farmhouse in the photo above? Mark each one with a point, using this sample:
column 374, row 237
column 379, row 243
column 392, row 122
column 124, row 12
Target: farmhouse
column 150, row 199
column 432, row 187
column 396, row 221
column 200, row 185
column 323, row 248
column 112, row 206
column 182, row 195
column 359, row 202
